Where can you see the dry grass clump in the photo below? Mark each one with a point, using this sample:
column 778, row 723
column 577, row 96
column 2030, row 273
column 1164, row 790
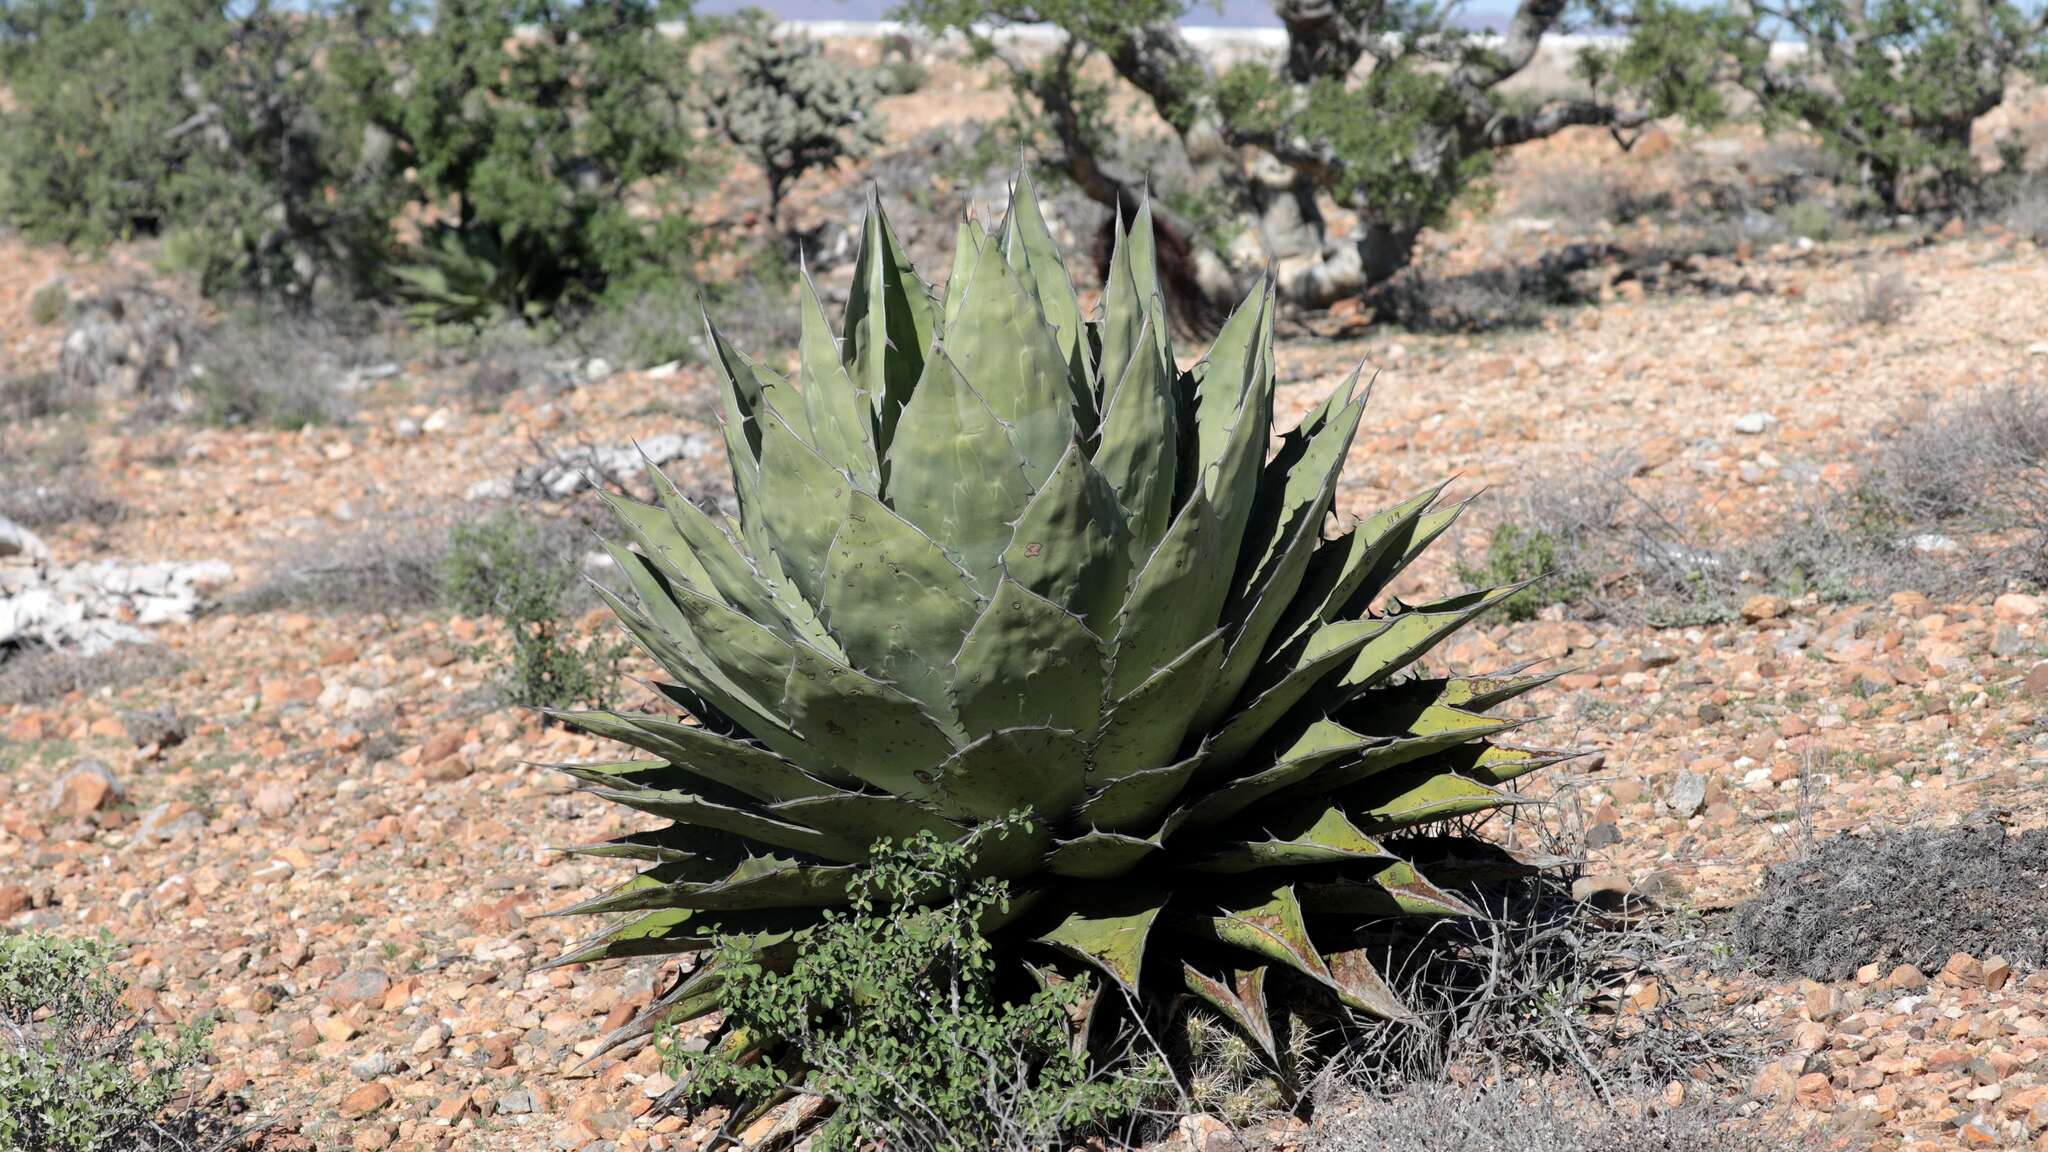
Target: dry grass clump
column 45, row 485
column 1977, row 467
column 386, row 563
column 1881, row 300
column 34, row 675
column 1913, row 896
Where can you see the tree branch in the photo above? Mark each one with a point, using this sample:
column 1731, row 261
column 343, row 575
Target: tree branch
column 1321, row 41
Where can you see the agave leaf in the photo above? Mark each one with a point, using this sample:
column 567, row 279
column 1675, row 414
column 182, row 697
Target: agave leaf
column 1028, row 245
column 863, row 725
column 734, row 577
column 1028, row 662
column 729, row 659
column 1125, row 316
column 968, row 241
column 1333, row 645
column 759, row 824
column 1340, row 565
column 1140, row 444
column 851, row 822
column 1397, row 889
column 1269, row 922
column 734, row 764
column 802, row 495
column 1409, row 634
column 1229, row 382
column 1001, row 341
column 897, row 603
column 1299, row 483
column 1106, row 926
column 1071, row 545
column 1231, row 481
column 1256, row 612
column 955, row 472
column 1099, row 855
column 1406, row 542
column 1408, row 797
column 888, row 321
column 755, row 882
column 1040, row 769
column 1307, row 834
column 1145, row 276
column 1499, row 763
column 1483, row 693
column 842, row 414
column 1147, row 725
column 1174, row 598
column 1240, row 995
column 1138, row 798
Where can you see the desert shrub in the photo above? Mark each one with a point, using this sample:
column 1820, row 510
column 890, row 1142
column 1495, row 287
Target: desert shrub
column 77, row 1072
column 901, row 70
column 2026, row 208
column 1550, row 981
column 1973, row 466
column 46, row 304
column 891, row 1012
column 1809, row 220
column 44, row 485
column 1515, row 554
column 261, row 367
column 1881, row 300
column 386, row 563
column 664, row 322
column 38, row 675
column 1912, row 896
column 506, row 568
column 551, row 146
column 33, row 395
column 790, row 108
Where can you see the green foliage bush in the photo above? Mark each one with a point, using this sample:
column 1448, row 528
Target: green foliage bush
column 546, row 145
column 504, row 567
column 1515, row 554
column 77, row 1073
column 237, row 124
column 554, row 143
column 891, row 1011
column 790, row 108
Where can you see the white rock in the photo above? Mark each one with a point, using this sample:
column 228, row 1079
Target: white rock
column 497, row 488
column 1754, row 423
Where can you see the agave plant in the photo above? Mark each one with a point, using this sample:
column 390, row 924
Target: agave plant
column 992, row 557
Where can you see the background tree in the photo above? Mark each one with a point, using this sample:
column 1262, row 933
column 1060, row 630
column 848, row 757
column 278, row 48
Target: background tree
column 221, row 121
column 790, row 108
column 1383, row 108
column 550, row 142
column 1893, row 87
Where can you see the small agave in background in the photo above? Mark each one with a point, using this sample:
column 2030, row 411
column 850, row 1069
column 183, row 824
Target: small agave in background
column 990, row 556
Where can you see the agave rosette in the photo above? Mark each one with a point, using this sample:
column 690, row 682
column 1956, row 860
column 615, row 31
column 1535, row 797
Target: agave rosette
column 992, row 556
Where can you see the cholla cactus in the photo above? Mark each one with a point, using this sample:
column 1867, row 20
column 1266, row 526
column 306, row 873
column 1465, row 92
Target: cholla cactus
column 792, row 108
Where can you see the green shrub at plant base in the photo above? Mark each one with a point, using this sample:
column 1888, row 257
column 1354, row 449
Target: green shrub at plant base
column 1515, row 555
column 77, row 1073
column 891, row 1011
column 992, row 555
column 503, row 568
